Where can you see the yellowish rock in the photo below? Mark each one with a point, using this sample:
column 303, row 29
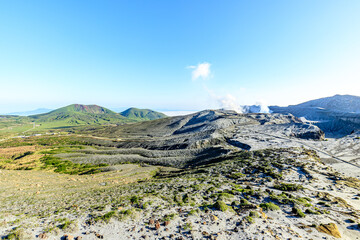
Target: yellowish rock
column 331, row 229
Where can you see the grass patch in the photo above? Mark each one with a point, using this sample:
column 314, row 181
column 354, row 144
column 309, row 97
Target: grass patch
column 249, row 219
column 221, row 206
column 170, row 216
column 17, row 234
column 106, row 217
column 68, row 167
column 254, row 214
column 298, row 212
column 288, row 187
column 269, row 206
column 194, row 212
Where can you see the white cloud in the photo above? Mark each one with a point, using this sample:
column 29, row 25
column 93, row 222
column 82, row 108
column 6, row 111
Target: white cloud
column 201, row 71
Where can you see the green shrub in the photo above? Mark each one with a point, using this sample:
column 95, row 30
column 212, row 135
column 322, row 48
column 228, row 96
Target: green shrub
column 212, row 189
column 187, row 226
column 178, row 200
column 249, row 219
column 194, row 212
column 298, row 212
column 289, row 187
column 68, row 167
column 146, row 205
column 124, row 214
column 220, row 205
column 225, row 195
column 106, row 217
column 170, row 216
column 269, row 206
column 237, row 175
column 244, row 202
column 134, row 199
column 17, row 234
column 254, row 214
column 309, row 211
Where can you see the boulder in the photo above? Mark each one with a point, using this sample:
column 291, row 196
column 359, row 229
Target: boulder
column 330, row 228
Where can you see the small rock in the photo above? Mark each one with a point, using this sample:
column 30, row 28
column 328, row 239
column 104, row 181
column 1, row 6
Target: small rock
column 78, row 238
column 166, row 223
column 99, row 236
column 151, row 221
column 212, row 237
column 213, row 218
column 42, row 236
column 68, row 237
column 157, row 225
column 204, row 233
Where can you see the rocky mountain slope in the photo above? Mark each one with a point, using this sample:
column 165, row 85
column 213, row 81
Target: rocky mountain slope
column 195, row 138
column 339, row 114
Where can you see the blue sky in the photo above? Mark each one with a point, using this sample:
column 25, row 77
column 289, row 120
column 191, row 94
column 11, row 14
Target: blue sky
column 144, row 53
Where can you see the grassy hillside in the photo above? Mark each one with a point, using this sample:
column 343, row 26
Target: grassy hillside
column 13, row 125
column 74, row 115
column 77, row 114
column 142, row 114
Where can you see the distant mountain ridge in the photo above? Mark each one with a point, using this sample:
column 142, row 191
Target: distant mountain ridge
column 32, row 112
column 336, row 114
column 142, row 114
column 78, row 114
column 341, row 103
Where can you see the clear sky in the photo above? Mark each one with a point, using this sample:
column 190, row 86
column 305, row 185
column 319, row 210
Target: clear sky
column 176, row 55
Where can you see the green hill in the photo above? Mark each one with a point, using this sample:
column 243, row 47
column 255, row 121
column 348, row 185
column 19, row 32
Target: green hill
column 142, row 114
column 77, row 114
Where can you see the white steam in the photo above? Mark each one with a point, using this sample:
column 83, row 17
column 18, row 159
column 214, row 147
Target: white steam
column 257, row 108
column 228, row 102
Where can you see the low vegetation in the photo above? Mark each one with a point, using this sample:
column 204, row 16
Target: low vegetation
column 240, row 184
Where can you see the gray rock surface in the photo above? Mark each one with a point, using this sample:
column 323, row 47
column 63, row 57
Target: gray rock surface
column 192, row 139
column 337, row 115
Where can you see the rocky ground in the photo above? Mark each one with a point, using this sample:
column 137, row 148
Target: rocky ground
column 271, row 194
column 209, row 175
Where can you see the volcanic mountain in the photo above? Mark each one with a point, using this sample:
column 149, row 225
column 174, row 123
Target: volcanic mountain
column 339, row 114
column 142, row 114
column 78, row 114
